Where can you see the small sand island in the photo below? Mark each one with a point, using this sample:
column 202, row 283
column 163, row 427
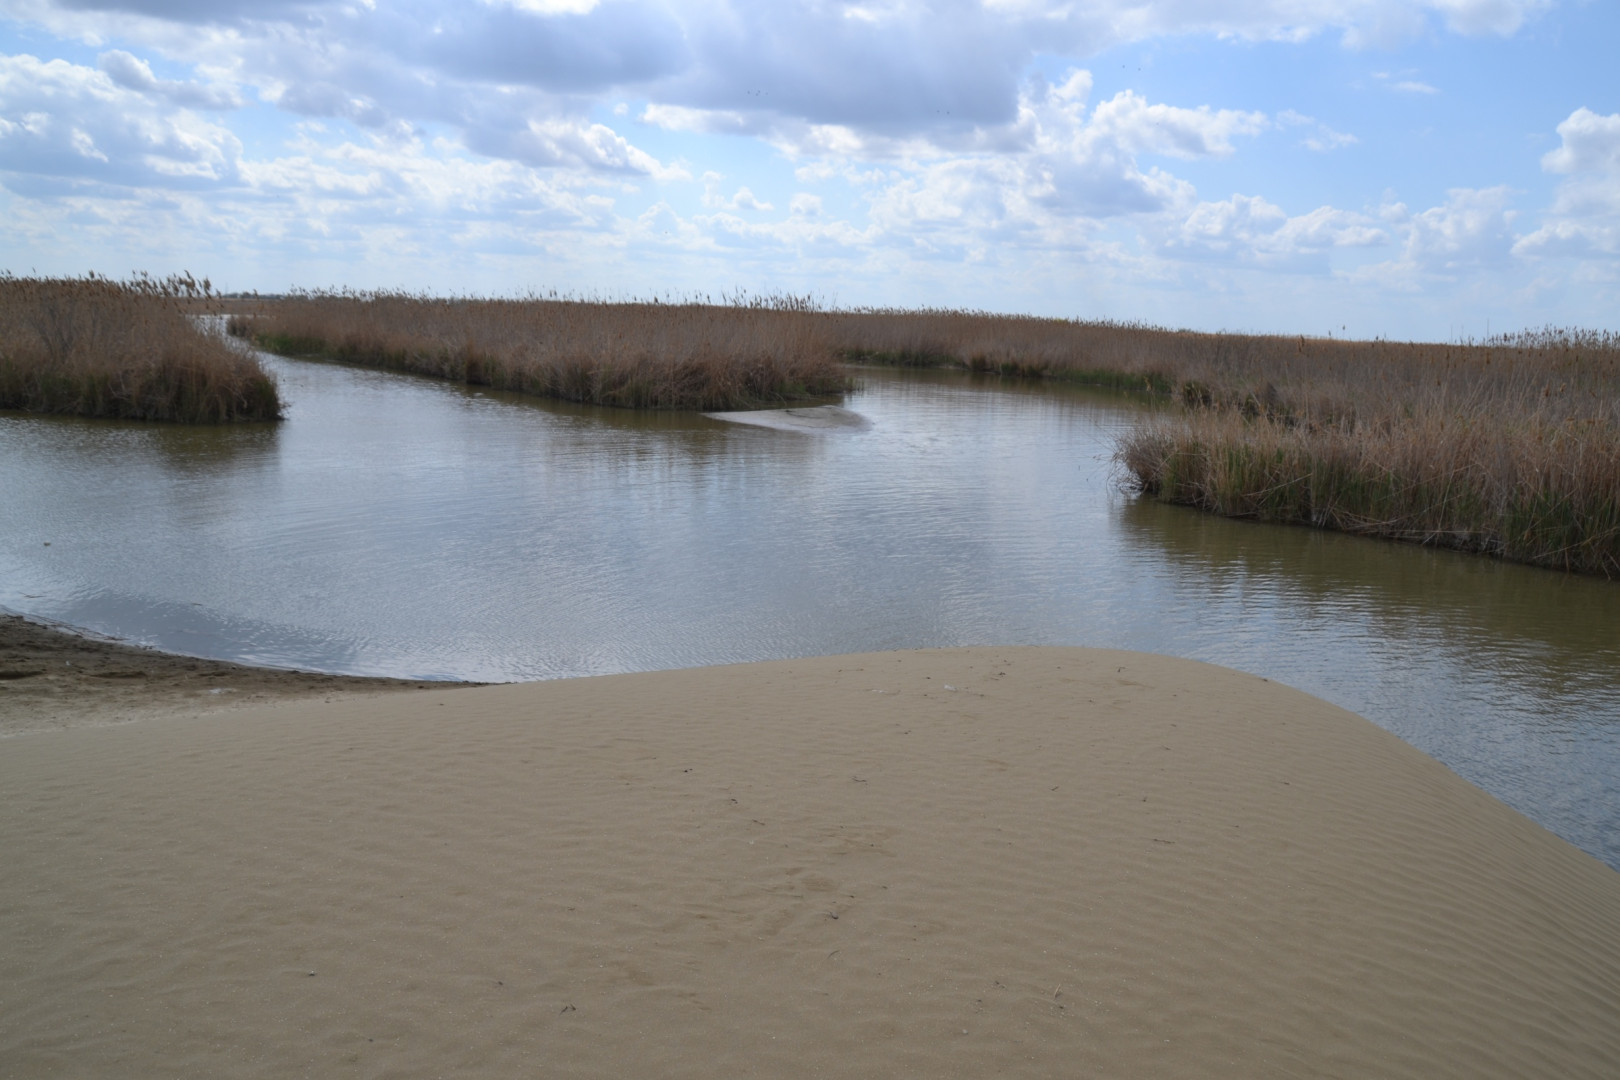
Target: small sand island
column 975, row 862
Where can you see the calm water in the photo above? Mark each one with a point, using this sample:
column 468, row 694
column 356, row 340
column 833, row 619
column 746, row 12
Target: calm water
column 394, row 526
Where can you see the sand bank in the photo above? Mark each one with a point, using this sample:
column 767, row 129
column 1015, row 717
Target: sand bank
column 54, row 677
column 975, row 862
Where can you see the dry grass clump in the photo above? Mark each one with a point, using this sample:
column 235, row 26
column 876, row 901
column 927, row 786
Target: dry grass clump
column 130, row 350
column 647, row 355
column 1509, row 447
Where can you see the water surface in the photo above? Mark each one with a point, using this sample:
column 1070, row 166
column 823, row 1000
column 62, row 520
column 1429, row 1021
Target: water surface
column 398, row 526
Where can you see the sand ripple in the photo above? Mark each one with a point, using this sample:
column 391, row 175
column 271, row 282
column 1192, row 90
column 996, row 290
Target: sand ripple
column 976, row 862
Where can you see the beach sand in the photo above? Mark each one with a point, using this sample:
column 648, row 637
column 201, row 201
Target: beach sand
column 988, row 862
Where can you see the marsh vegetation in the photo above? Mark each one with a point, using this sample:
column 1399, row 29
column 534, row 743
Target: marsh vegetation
column 131, row 350
column 1509, row 446
column 641, row 355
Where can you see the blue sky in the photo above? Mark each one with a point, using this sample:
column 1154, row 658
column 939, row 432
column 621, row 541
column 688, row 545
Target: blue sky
column 1429, row 169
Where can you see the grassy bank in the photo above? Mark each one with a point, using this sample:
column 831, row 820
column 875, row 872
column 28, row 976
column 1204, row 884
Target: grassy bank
column 646, row 355
column 129, row 350
column 1509, row 447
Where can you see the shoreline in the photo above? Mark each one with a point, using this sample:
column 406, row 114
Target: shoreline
column 54, row 678
column 981, row 861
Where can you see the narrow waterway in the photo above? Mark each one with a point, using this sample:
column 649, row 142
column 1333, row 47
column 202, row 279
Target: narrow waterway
column 397, row 526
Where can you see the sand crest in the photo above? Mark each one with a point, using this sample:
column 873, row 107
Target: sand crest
column 971, row 862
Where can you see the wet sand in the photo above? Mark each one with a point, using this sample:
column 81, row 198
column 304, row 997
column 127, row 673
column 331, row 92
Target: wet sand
column 54, row 678
column 968, row 862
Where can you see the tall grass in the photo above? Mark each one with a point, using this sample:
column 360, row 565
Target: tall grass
column 1509, row 446
column 647, row 355
column 132, row 350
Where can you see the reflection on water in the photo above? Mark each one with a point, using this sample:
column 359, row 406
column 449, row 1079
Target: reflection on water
column 398, row 526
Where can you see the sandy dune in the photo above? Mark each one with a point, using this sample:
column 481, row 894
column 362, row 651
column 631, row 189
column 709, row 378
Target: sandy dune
column 975, row 862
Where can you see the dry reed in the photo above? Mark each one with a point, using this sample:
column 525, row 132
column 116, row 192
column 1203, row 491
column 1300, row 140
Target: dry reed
column 647, row 355
column 1509, row 446
column 130, row 350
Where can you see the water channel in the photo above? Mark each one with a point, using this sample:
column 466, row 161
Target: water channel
column 399, row 526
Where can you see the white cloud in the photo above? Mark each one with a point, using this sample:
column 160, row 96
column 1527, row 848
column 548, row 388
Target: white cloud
column 826, row 77
column 1250, row 230
column 1584, row 218
column 742, row 199
column 1590, row 142
column 1130, row 123
column 912, row 130
column 68, row 124
column 557, row 142
column 135, row 74
column 698, row 121
column 1472, row 227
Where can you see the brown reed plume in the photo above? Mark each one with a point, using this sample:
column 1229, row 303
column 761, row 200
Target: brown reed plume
column 131, row 350
column 648, row 355
column 1509, row 447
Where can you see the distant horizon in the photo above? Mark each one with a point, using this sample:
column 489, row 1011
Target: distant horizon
column 1433, row 170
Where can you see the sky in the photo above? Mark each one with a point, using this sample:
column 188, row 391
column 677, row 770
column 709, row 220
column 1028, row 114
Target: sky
column 1432, row 169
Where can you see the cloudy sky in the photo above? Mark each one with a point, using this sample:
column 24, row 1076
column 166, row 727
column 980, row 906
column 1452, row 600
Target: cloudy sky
column 1428, row 168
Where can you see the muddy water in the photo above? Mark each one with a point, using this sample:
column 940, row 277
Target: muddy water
column 396, row 526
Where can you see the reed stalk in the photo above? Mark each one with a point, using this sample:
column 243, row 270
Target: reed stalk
column 130, row 350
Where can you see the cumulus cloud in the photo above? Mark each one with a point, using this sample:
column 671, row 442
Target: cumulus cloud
column 132, row 73
column 1591, row 143
column 1473, row 226
column 823, row 76
column 500, row 121
column 742, row 199
column 552, row 142
column 1585, row 215
column 70, row 124
column 1248, row 229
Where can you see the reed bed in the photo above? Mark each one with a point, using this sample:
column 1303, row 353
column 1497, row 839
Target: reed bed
column 641, row 355
column 130, row 350
column 1509, row 446
column 1128, row 356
